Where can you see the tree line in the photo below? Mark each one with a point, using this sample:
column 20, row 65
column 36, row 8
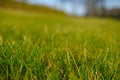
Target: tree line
column 95, row 8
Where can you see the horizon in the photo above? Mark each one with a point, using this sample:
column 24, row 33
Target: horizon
column 68, row 7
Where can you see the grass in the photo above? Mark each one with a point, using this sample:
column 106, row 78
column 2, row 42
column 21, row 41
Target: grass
column 15, row 5
column 52, row 47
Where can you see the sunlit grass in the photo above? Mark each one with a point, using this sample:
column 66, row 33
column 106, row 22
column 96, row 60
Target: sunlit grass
column 54, row 47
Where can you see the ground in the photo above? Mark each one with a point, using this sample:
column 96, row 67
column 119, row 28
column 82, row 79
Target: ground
column 39, row 46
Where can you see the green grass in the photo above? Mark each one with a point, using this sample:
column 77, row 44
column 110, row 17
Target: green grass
column 14, row 5
column 52, row 47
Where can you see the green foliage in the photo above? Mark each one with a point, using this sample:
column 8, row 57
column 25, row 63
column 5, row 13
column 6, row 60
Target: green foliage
column 50, row 47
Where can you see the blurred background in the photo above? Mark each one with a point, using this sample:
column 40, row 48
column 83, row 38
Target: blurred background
column 103, row 8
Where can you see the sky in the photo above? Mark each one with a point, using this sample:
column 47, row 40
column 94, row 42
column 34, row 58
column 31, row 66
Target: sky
column 112, row 4
column 68, row 8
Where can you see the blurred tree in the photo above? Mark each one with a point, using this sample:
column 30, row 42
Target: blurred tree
column 23, row 0
column 93, row 8
column 100, row 7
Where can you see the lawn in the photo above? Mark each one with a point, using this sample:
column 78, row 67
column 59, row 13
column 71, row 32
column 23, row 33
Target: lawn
column 41, row 46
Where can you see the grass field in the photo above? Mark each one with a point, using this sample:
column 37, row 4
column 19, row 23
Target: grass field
column 55, row 47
